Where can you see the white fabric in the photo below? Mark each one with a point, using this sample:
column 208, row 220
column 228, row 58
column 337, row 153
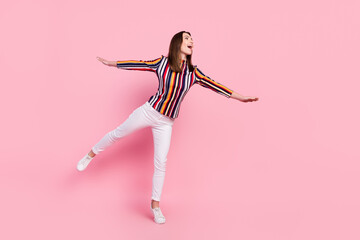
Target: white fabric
column 161, row 125
column 158, row 216
column 84, row 162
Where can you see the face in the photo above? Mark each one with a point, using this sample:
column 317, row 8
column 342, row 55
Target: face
column 186, row 46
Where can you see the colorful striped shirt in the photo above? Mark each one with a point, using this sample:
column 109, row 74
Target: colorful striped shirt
column 173, row 86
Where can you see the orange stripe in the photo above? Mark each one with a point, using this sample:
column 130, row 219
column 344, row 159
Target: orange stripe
column 213, row 82
column 172, row 98
column 140, row 61
column 155, row 61
column 171, row 87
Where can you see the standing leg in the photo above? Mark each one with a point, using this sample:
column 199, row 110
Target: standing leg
column 162, row 136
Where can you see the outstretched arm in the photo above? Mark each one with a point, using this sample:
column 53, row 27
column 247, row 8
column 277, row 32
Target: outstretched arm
column 141, row 65
column 242, row 98
column 106, row 62
column 207, row 82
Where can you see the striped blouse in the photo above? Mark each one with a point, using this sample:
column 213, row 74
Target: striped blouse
column 173, row 86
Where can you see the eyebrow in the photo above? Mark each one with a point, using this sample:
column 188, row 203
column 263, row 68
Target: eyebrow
column 188, row 36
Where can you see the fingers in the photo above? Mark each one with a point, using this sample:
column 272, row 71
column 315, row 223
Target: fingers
column 101, row 60
column 250, row 99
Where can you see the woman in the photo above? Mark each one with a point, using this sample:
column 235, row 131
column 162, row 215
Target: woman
column 176, row 75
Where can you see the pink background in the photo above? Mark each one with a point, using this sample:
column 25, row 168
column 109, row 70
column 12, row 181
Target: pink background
column 285, row 167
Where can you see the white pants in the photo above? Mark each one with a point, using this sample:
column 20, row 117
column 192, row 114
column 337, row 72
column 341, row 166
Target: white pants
column 161, row 126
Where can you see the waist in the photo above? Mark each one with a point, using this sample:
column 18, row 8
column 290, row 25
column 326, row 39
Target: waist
column 159, row 113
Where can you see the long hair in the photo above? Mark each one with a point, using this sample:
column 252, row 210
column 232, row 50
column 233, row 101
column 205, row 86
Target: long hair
column 174, row 53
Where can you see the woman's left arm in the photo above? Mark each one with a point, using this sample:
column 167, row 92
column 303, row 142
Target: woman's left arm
column 207, row 82
column 242, row 98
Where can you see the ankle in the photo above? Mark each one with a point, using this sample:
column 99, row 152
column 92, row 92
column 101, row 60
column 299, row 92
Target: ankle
column 91, row 154
column 154, row 204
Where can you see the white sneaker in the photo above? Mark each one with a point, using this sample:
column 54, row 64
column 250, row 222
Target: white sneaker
column 82, row 164
column 158, row 216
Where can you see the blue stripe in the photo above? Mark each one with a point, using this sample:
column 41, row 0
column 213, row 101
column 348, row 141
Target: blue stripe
column 173, row 106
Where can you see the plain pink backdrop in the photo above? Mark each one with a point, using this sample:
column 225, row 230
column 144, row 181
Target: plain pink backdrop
column 283, row 168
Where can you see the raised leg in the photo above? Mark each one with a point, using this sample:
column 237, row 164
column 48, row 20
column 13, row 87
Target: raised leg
column 135, row 121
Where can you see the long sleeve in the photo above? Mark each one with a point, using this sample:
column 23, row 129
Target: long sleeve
column 141, row 65
column 207, row 82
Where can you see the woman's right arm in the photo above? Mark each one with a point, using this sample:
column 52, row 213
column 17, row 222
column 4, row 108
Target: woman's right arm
column 141, row 65
column 106, row 62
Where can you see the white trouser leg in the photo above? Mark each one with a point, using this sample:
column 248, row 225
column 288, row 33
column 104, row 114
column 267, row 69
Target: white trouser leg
column 161, row 126
column 162, row 137
column 135, row 121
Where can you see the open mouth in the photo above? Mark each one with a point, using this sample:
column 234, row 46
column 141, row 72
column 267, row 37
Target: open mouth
column 189, row 47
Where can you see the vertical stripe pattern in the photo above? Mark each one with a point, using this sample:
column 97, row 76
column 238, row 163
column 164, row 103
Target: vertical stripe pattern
column 173, row 86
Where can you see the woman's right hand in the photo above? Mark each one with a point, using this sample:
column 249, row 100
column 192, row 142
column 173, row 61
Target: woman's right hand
column 104, row 61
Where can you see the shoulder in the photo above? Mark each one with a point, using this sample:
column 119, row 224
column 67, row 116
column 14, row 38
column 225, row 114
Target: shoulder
column 196, row 69
column 164, row 58
column 156, row 60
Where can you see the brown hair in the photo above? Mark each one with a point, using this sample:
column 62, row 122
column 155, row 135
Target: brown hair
column 174, row 53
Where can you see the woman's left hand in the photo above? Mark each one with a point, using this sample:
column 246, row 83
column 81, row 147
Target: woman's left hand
column 248, row 99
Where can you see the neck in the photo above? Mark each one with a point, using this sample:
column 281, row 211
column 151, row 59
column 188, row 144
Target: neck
column 182, row 56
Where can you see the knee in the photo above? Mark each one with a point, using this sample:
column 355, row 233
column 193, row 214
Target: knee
column 160, row 164
column 115, row 134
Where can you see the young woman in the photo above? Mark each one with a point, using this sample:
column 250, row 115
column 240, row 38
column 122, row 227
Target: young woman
column 176, row 75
